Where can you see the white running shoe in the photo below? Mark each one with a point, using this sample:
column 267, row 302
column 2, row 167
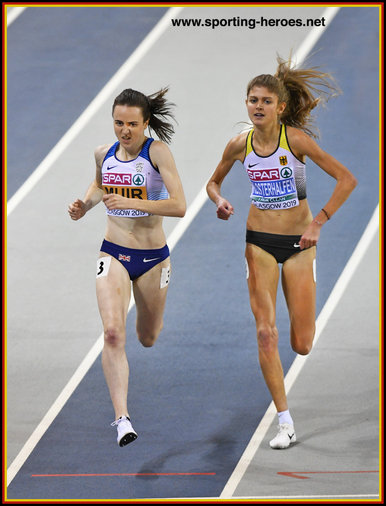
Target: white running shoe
column 285, row 437
column 126, row 433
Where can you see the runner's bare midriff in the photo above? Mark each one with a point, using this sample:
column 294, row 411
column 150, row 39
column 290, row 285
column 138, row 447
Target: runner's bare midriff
column 286, row 222
column 136, row 233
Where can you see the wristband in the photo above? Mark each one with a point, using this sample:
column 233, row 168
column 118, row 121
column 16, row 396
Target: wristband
column 325, row 212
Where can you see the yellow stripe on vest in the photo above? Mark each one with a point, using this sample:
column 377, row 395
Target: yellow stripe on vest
column 249, row 143
column 283, row 138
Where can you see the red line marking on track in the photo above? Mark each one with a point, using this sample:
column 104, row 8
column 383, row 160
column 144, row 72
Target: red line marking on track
column 118, row 474
column 298, row 474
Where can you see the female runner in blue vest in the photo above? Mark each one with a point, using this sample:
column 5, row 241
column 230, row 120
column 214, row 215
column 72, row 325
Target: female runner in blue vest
column 138, row 182
column 280, row 226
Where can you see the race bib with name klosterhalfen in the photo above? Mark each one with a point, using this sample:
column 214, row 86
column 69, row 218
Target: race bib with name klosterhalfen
column 273, row 188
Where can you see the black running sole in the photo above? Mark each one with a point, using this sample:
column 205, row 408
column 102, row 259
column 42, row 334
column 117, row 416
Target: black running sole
column 128, row 438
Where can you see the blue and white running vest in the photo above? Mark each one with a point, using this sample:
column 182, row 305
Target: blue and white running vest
column 137, row 179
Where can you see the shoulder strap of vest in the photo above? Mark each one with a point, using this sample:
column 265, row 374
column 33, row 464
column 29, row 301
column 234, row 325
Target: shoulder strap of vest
column 111, row 151
column 145, row 149
column 146, row 154
column 248, row 146
column 283, row 138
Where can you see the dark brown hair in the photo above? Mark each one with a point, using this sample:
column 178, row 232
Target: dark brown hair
column 301, row 89
column 155, row 108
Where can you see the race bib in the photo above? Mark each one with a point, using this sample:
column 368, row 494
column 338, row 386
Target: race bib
column 132, row 186
column 273, row 188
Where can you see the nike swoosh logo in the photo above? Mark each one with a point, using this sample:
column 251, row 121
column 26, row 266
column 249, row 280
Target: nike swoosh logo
column 296, row 245
column 250, row 166
column 113, row 167
column 291, row 435
column 150, row 259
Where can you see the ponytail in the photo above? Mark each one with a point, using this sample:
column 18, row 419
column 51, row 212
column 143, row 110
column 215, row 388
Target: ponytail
column 301, row 89
column 160, row 107
column 152, row 107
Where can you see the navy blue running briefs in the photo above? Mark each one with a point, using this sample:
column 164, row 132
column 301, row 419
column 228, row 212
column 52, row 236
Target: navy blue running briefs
column 136, row 261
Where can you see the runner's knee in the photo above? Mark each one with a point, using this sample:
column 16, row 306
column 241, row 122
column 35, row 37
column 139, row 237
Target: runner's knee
column 302, row 343
column 147, row 337
column 267, row 338
column 302, row 348
column 147, row 340
column 114, row 336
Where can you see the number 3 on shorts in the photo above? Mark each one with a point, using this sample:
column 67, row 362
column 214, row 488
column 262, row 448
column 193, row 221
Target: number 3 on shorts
column 103, row 266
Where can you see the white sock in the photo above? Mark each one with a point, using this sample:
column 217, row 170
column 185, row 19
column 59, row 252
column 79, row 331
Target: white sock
column 285, row 417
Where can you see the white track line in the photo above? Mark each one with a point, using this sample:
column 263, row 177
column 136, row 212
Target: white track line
column 71, row 134
column 300, row 360
column 13, row 13
column 314, row 35
column 93, row 107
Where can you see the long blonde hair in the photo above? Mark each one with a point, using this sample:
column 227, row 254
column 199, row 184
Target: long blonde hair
column 301, row 89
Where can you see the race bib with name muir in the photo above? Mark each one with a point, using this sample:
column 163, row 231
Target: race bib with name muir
column 131, row 186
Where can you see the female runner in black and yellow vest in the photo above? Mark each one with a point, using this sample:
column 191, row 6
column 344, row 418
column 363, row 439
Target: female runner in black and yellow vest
column 280, row 226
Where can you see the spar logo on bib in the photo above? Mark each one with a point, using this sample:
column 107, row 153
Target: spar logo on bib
column 138, row 179
column 111, row 178
column 286, row 173
column 127, row 185
column 264, row 174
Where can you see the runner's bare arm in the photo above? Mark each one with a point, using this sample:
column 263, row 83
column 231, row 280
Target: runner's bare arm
column 94, row 192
